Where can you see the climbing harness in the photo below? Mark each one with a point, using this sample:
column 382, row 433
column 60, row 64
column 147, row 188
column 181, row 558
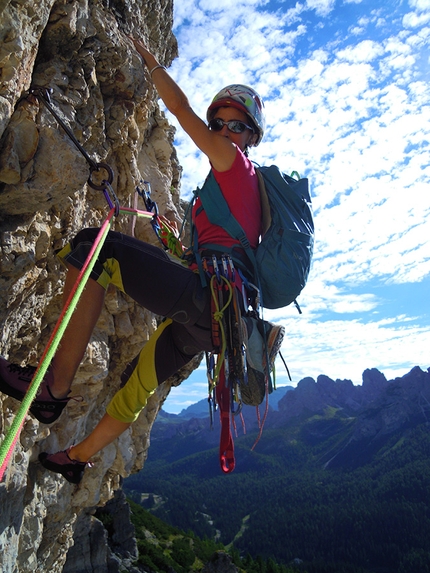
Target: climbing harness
column 8, row 445
column 232, row 382
column 222, row 371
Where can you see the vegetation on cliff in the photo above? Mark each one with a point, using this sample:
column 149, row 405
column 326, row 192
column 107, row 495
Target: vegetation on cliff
column 165, row 548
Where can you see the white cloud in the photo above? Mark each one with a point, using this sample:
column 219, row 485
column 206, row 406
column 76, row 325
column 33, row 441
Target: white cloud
column 321, row 7
column 365, row 51
column 419, row 4
column 344, row 348
column 353, row 114
column 413, row 20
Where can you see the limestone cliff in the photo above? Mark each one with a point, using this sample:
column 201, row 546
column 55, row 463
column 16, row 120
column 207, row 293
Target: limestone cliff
column 80, row 50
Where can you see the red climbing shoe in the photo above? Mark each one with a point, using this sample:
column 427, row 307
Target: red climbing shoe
column 15, row 380
column 60, row 463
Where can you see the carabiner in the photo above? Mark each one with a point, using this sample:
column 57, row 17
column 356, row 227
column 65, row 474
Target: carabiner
column 109, row 194
column 145, row 193
column 224, row 266
column 216, row 269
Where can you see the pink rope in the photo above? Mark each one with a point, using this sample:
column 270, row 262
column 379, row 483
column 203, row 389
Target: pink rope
column 11, row 438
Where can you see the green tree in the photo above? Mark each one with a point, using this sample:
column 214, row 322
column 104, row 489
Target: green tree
column 182, row 552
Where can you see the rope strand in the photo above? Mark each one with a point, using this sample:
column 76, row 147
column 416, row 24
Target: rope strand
column 218, row 316
column 8, row 445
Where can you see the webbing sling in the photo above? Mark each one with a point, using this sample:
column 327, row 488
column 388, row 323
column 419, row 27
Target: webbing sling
column 8, row 445
column 226, row 444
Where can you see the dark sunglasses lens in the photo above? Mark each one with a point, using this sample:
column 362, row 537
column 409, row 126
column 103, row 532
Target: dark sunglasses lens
column 236, row 126
column 216, row 124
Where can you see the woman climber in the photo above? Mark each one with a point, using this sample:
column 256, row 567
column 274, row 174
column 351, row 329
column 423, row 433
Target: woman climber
column 146, row 273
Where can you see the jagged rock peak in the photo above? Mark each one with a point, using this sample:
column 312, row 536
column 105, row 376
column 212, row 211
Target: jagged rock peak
column 311, row 396
column 306, row 384
column 325, row 382
column 373, row 377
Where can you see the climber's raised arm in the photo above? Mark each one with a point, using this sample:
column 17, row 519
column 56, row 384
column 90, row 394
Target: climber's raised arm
column 221, row 151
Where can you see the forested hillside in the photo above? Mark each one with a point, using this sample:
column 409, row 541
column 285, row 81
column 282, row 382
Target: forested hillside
column 320, row 489
column 164, row 548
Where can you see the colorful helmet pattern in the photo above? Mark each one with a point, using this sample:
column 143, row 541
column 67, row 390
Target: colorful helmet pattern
column 244, row 98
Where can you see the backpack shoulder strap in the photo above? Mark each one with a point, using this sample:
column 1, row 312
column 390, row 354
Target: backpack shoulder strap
column 218, row 213
column 266, row 217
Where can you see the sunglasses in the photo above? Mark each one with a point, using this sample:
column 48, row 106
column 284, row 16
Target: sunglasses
column 234, row 125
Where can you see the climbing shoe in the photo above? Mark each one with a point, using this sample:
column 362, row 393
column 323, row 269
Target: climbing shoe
column 60, row 463
column 15, row 380
column 274, row 337
column 262, row 340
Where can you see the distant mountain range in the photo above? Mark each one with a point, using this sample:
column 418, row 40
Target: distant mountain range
column 377, row 408
column 200, row 408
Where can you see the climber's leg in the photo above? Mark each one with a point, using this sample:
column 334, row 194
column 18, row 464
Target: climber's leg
column 160, row 358
column 106, row 431
column 77, row 334
column 54, row 388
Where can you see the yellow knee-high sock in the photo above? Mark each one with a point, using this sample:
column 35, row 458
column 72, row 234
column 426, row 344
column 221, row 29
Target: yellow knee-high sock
column 128, row 402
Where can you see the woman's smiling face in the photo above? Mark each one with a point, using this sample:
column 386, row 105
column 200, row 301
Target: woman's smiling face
column 242, row 140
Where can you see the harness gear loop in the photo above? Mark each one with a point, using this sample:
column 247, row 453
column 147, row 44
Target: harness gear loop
column 218, row 315
column 223, row 374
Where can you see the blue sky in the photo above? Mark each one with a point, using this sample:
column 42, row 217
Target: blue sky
column 346, row 89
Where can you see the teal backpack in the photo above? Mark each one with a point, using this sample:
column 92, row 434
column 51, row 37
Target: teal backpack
column 280, row 264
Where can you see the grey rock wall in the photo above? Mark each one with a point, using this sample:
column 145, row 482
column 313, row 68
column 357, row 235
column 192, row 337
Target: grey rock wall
column 79, row 49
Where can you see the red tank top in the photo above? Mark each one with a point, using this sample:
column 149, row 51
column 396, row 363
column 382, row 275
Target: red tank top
column 239, row 186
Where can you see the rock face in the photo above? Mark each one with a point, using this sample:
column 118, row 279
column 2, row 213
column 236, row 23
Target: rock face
column 104, row 542
column 220, row 563
column 78, row 49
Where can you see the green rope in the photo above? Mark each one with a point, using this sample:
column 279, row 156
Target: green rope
column 11, row 437
column 218, row 315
